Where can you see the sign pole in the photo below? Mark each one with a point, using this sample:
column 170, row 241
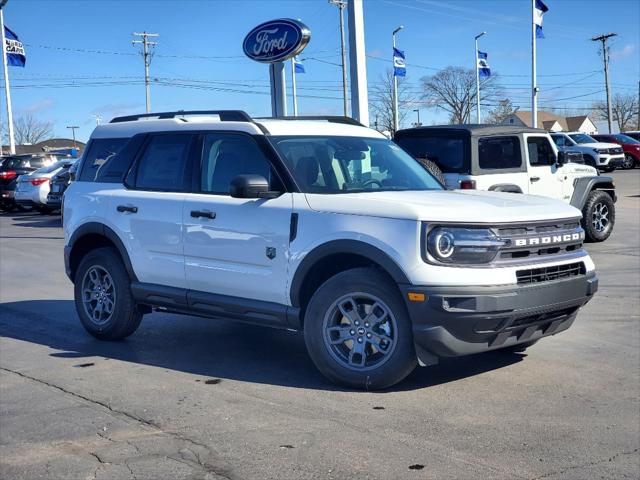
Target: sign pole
column 7, row 92
column 278, row 90
column 293, row 86
column 358, row 61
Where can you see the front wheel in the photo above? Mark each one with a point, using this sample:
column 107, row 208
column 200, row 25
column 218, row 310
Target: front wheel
column 598, row 216
column 358, row 332
column 103, row 297
column 629, row 162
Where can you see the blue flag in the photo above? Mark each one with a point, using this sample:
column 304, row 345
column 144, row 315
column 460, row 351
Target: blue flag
column 299, row 67
column 539, row 10
column 483, row 66
column 399, row 68
column 15, row 49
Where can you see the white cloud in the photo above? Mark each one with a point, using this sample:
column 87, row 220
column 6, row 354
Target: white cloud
column 626, row 51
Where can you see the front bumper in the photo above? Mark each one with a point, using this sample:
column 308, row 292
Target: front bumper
column 611, row 160
column 456, row 321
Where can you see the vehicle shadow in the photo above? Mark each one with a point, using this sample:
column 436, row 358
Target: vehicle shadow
column 37, row 221
column 209, row 347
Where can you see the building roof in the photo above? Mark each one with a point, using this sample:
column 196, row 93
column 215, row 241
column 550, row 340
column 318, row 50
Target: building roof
column 45, row 145
column 574, row 123
column 525, row 117
column 474, row 129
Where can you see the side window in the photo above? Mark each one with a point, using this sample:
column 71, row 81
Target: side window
column 559, row 140
column 567, row 141
column 163, row 165
column 225, row 156
column 540, row 152
column 496, row 153
column 100, row 152
column 447, row 152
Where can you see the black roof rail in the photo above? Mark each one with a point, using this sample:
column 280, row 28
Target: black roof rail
column 225, row 115
column 328, row 118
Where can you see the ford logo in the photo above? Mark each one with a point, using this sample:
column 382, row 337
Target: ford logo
column 276, row 41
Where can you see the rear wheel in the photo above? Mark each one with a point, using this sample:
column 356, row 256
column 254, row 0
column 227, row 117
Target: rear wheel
column 433, row 169
column 103, row 297
column 358, row 332
column 598, row 216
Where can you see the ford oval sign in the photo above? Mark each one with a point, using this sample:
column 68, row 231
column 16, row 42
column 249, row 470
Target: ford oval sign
column 276, row 41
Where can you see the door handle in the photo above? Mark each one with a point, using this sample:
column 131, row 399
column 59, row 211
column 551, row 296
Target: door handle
column 203, row 214
column 534, row 179
column 127, row 208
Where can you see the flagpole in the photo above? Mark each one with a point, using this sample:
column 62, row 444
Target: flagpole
column 477, row 80
column 395, row 83
column 12, row 143
column 293, row 87
column 534, row 86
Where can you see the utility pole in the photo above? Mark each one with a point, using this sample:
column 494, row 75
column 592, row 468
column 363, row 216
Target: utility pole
column 146, row 55
column 478, row 79
column 73, row 129
column 341, row 4
column 395, row 84
column 98, row 119
column 417, row 110
column 605, row 56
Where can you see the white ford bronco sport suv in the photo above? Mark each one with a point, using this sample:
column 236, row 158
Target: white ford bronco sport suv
column 603, row 155
column 517, row 160
column 318, row 225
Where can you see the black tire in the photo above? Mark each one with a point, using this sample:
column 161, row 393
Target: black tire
column 598, row 216
column 43, row 210
column 608, row 169
column 521, row 347
column 629, row 162
column 125, row 317
column 589, row 160
column 384, row 369
column 433, row 168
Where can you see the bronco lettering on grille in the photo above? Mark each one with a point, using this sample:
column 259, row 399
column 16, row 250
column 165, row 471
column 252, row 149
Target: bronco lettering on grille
column 548, row 240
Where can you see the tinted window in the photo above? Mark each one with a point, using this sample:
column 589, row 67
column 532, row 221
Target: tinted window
column 225, row 156
column 559, row 140
column 499, row 153
column 446, row 152
column 582, row 138
column 540, row 152
column 163, row 165
column 100, row 152
column 327, row 164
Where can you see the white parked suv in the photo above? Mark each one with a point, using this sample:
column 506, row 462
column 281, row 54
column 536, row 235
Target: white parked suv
column 517, row 160
column 602, row 155
column 320, row 225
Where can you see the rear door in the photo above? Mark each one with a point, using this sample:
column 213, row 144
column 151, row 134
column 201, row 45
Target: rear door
column 236, row 247
column 147, row 211
column 544, row 176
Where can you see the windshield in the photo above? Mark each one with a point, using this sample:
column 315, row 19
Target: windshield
column 352, row 164
column 582, row 138
column 625, row 139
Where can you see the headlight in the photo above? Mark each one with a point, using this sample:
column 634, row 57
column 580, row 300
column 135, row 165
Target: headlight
column 455, row 245
column 601, row 150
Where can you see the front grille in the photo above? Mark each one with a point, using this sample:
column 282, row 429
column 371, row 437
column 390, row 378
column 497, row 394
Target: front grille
column 534, row 241
column 615, row 150
column 547, row 274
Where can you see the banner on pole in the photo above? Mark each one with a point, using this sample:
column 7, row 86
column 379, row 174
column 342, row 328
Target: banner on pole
column 483, row 67
column 399, row 67
column 15, row 50
column 539, row 10
column 299, row 67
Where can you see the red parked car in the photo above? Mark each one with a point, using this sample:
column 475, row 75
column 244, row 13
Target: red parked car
column 631, row 147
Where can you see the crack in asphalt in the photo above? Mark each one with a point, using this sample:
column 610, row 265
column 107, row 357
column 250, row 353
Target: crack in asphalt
column 587, row 464
column 207, row 467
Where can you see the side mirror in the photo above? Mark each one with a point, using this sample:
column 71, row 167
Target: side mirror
column 562, row 158
column 251, row 186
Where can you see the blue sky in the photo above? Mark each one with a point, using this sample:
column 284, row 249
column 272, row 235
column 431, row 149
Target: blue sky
column 80, row 61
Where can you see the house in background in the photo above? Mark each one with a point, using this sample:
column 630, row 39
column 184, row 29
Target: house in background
column 552, row 122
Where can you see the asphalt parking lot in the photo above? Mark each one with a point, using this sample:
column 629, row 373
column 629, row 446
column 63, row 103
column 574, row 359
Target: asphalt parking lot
column 193, row 398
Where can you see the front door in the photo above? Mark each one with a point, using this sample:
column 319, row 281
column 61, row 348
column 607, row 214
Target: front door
column 236, row 246
column 544, row 177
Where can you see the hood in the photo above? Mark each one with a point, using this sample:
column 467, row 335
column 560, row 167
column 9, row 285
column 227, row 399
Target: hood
column 599, row 145
column 471, row 206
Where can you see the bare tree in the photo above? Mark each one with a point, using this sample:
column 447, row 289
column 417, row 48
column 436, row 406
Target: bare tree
column 501, row 112
column 454, row 90
column 624, row 110
column 28, row 129
column 382, row 101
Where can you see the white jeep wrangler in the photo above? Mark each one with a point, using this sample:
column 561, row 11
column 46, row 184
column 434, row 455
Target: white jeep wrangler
column 517, row 160
column 323, row 226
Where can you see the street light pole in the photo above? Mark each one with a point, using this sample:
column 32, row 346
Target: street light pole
column 395, row 85
column 73, row 129
column 417, row 110
column 341, row 4
column 478, row 80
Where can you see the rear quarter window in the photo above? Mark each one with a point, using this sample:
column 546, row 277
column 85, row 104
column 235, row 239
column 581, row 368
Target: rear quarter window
column 99, row 154
column 499, row 153
column 449, row 153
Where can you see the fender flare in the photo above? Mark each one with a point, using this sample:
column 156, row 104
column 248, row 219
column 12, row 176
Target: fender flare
column 584, row 185
column 102, row 230
column 355, row 247
column 506, row 187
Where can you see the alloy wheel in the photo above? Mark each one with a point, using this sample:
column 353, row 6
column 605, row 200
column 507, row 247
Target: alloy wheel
column 628, row 162
column 98, row 295
column 600, row 217
column 360, row 331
